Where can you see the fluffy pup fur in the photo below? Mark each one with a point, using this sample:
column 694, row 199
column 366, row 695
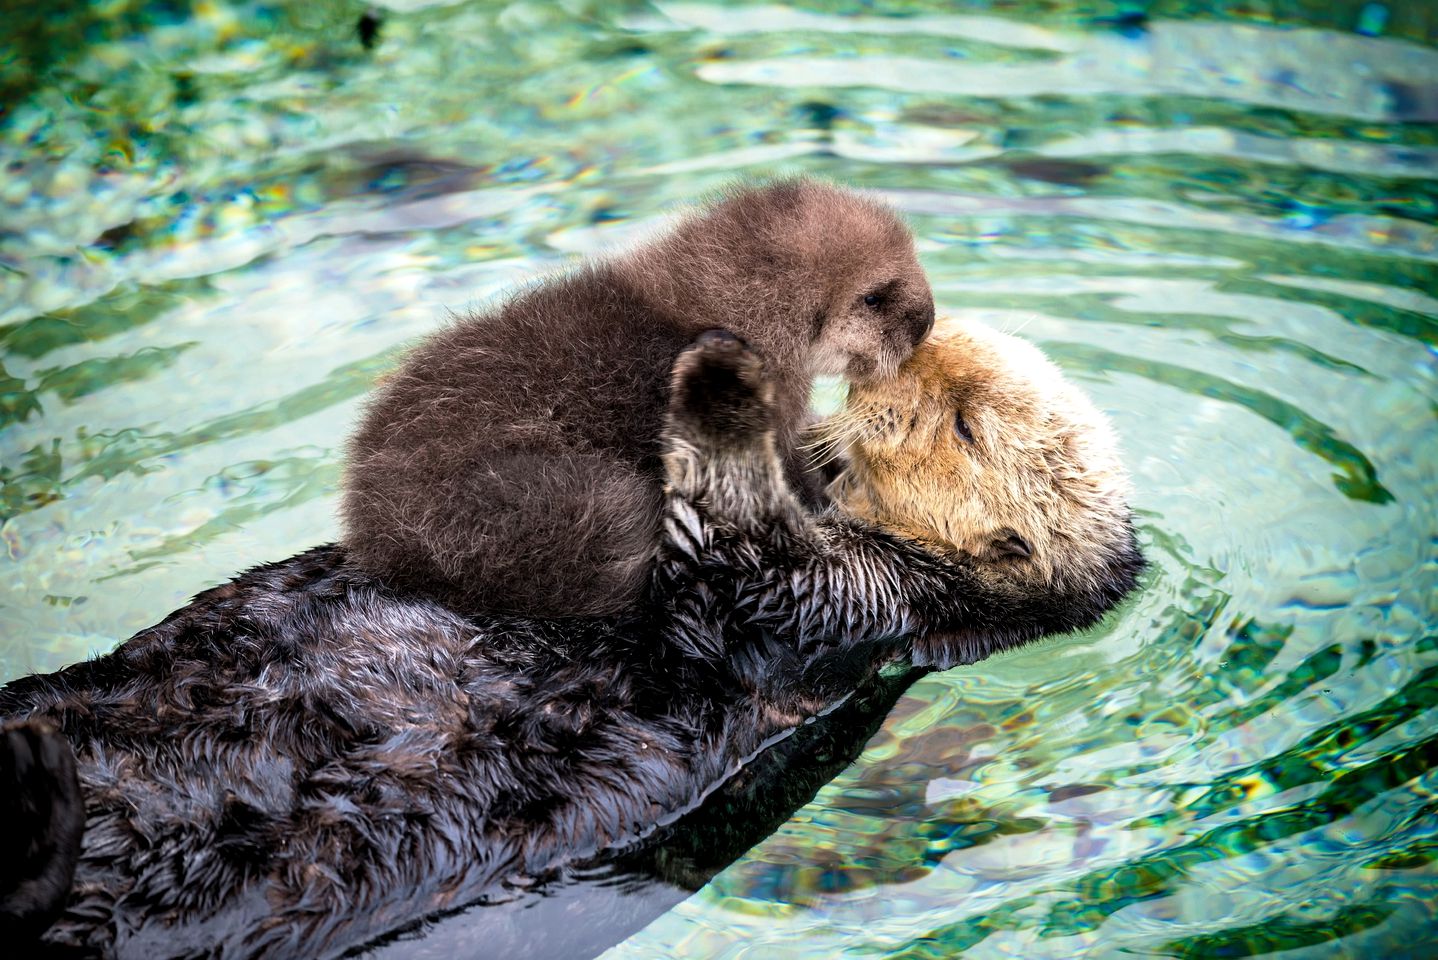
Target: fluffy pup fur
column 513, row 464
column 305, row 759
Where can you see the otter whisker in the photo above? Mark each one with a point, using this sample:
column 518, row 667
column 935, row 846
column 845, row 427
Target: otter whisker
column 829, row 441
column 1028, row 320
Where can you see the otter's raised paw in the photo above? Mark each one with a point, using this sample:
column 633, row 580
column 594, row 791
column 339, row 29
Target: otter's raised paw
column 718, row 390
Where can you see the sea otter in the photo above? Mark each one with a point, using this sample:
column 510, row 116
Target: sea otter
column 512, row 465
column 305, row 759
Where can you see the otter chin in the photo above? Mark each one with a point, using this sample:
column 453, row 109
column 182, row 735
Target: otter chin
column 978, row 447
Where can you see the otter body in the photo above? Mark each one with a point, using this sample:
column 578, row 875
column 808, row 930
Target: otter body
column 513, row 464
column 305, row 759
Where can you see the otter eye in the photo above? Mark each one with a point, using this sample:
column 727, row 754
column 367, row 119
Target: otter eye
column 871, row 300
column 961, row 427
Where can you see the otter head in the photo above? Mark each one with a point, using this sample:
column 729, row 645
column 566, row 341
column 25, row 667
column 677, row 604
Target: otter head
column 799, row 268
column 872, row 300
column 978, row 447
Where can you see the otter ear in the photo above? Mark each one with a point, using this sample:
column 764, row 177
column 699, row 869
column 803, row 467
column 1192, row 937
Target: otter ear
column 1009, row 545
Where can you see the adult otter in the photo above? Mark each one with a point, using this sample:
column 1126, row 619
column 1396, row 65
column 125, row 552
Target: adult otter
column 512, row 464
column 305, row 759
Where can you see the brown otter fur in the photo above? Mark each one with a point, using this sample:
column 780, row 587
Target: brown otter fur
column 512, row 464
column 979, row 446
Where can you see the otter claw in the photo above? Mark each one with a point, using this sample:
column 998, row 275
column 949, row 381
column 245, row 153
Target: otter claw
column 719, row 337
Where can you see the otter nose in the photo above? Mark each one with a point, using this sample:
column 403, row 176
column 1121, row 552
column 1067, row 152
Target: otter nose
column 921, row 321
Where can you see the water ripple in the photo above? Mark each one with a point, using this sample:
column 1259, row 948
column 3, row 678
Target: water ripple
column 217, row 229
column 1281, row 68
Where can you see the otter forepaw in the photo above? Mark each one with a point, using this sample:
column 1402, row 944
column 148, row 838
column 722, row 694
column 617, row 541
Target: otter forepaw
column 720, row 462
column 718, row 389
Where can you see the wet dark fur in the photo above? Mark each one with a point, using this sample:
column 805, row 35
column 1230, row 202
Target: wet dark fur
column 598, row 905
column 513, row 464
column 304, row 759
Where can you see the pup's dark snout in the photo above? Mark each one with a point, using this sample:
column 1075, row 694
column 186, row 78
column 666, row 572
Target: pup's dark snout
column 921, row 321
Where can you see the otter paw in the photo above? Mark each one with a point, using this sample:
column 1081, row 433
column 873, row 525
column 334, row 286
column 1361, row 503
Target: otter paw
column 718, row 388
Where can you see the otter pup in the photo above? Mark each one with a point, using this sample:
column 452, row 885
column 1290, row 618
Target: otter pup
column 512, row 465
column 306, row 759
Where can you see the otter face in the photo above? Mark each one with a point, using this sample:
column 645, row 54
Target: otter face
column 878, row 305
column 873, row 322
column 978, row 446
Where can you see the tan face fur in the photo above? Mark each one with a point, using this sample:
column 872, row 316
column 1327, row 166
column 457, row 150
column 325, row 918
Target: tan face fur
column 979, row 446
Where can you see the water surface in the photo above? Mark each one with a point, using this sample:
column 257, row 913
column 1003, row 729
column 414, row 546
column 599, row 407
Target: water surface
column 219, row 222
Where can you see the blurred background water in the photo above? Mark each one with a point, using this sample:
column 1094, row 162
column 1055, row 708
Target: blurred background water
column 220, row 221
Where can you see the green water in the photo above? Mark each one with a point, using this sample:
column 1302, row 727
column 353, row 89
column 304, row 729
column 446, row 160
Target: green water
column 220, row 221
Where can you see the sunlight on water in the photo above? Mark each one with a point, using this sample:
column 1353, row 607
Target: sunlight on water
column 218, row 228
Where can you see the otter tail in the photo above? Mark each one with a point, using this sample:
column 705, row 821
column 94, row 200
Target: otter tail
column 43, row 815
